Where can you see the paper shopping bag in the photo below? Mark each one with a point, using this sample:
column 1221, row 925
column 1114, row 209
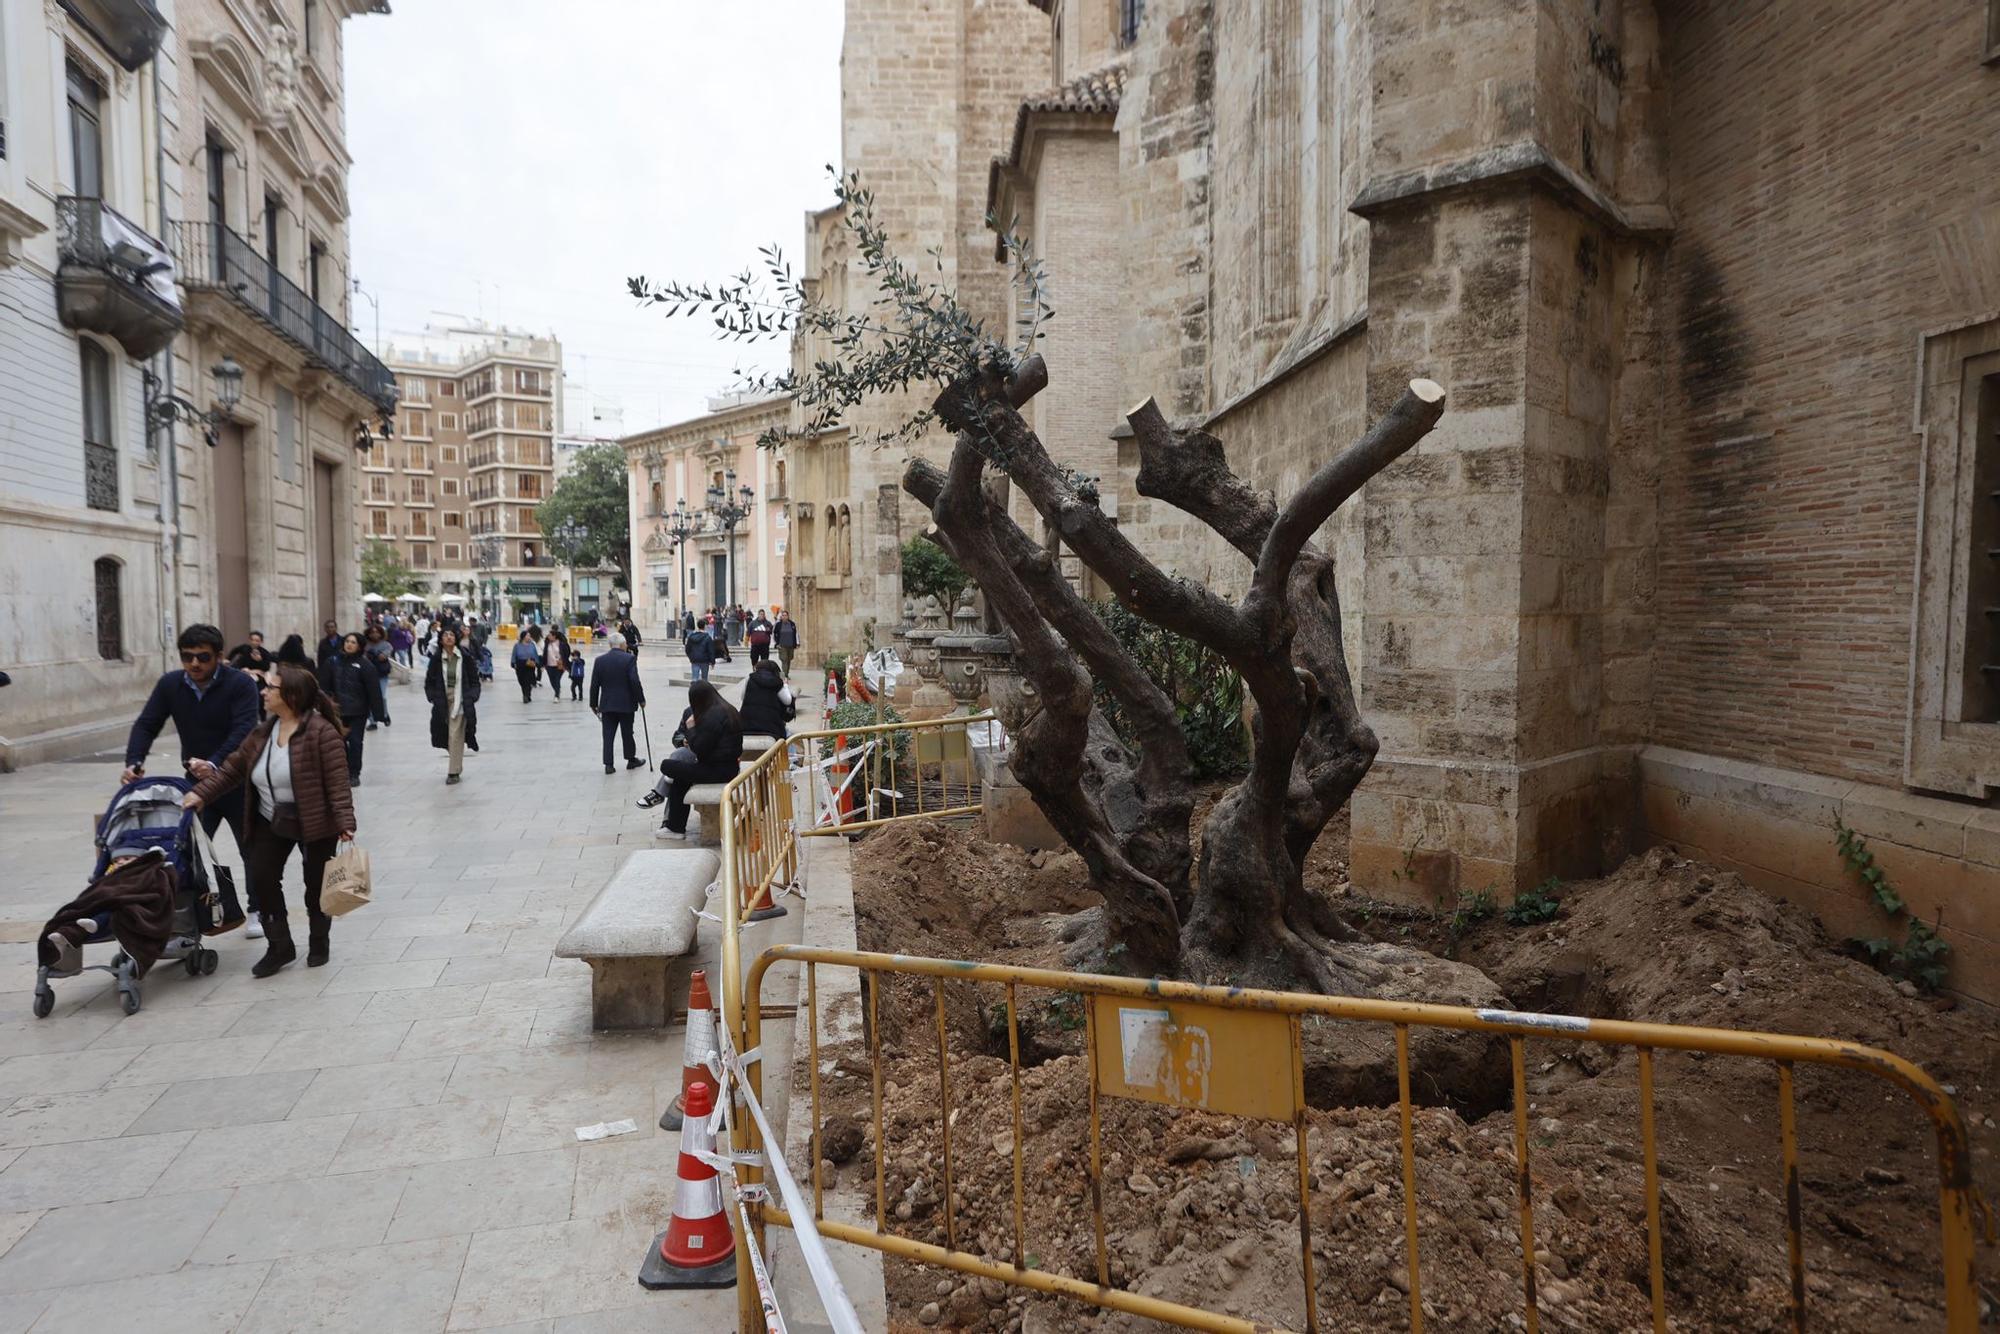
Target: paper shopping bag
column 347, row 885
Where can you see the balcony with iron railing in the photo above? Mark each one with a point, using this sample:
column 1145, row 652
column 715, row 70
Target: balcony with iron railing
column 113, row 277
column 214, row 258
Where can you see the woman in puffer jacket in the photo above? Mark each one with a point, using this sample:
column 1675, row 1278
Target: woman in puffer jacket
column 292, row 772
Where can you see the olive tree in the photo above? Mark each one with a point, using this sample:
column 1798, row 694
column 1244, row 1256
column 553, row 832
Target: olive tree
column 1241, row 911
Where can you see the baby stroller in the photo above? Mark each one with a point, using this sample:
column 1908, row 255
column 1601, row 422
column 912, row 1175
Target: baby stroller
column 485, row 663
column 146, row 814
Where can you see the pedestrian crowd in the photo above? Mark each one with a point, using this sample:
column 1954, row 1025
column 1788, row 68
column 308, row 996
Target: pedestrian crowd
column 273, row 742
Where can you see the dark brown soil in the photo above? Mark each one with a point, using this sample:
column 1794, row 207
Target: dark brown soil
column 1203, row 1209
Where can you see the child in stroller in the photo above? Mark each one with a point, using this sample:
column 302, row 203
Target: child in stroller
column 149, row 890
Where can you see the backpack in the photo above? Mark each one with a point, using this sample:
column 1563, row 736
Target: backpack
column 576, row 667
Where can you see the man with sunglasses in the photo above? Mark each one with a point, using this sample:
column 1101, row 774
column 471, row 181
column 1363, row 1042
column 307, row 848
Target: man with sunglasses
column 213, row 707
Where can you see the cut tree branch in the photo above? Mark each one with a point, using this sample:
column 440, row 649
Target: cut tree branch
column 1189, row 470
column 985, row 414
column 1409, row 421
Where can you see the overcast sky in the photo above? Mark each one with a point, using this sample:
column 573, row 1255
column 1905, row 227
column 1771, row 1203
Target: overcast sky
column 519, row 159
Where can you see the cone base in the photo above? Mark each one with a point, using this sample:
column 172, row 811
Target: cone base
column 671, row 1118
column 656, row 1274
column 766, row 914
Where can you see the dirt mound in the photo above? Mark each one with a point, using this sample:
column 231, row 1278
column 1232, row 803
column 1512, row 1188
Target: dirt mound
column 1203, row 1209
column 937, row 887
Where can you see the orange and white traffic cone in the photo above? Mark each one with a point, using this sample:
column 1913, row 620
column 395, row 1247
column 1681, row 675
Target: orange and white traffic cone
column 698, row 1051
column 698, row 1249
column 764, row 909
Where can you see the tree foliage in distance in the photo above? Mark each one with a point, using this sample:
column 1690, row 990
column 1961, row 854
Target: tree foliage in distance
column 383, row 570
column 916, row 336
column 1206, row 691
column 929, row 571
column 586, row 521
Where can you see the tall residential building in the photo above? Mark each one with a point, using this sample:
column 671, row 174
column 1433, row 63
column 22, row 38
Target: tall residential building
column 455, row 492
column 172, row 201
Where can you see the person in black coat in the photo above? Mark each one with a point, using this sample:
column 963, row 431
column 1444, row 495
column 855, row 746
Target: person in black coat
column 330, row 640
column 451, row 684
column 355, row 687
column 716, row 743
column 251, row 655
column 293, row 651
column 213, row 707
column 767, row 702
column 615, row 696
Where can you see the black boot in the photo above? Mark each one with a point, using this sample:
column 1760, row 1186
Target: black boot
column 318, row 926
column 278, row 947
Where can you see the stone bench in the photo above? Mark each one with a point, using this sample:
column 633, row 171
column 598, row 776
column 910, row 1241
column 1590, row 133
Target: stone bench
column 706, row 799
column 638, row 934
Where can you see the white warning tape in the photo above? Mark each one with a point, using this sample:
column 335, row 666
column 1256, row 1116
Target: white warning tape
column 774, row 1319
column 833, row 1297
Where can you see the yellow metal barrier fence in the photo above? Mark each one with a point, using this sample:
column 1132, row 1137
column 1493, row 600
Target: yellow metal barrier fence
column 906, row 768
column 1239, row 1052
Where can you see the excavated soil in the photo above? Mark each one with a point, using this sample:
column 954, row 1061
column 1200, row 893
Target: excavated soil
column 1203, row 1209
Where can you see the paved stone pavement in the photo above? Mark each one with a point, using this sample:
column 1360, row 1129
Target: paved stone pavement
column 386, row 1143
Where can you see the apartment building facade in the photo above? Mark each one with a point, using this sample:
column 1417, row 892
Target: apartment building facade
column 455, row 492
column 142, row 144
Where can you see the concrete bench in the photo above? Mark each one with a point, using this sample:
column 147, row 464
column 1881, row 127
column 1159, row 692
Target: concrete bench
column 637, row 935
column 706, row 799
column 755, row 745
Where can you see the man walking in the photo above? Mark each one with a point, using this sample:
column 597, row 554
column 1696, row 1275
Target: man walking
column 615, row 696
column 213, row 707
column 759, row 635
column 785, row 634
column 700, row 654
column 329, row 643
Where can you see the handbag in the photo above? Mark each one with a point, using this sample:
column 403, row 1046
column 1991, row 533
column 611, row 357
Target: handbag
column 348, row 883
column 284, row 821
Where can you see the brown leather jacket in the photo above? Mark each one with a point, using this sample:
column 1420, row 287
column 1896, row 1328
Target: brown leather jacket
column 319, row 777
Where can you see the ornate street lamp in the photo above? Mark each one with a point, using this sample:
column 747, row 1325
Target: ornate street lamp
column 728, row 510
column 164, row 409
column 684, row 526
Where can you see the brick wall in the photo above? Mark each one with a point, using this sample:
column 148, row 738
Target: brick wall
column 1812, row 168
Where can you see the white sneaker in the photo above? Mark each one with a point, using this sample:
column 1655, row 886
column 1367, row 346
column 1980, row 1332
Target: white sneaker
column 253, row 927
column 665, row 833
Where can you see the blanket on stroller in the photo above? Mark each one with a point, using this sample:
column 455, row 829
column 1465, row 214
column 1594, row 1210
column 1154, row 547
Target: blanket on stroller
column 135, row 899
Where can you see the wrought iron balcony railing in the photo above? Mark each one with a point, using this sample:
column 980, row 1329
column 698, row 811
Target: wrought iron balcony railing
column 212, row 257
column 113, row 277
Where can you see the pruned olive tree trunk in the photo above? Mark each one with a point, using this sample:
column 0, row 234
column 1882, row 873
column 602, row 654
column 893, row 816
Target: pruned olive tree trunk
column 1243, row 913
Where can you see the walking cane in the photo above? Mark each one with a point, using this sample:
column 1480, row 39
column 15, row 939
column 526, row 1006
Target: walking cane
column 647, row 728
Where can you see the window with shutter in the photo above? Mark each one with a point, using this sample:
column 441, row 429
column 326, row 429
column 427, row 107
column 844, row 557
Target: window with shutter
column 100, row 452
column 110, row 609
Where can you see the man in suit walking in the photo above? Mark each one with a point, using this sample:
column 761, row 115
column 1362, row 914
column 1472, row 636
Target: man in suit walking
column 615, row 696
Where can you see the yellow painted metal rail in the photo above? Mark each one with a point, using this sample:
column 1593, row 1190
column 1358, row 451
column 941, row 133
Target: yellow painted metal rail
column 1191, row 1066
column 910, row 770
